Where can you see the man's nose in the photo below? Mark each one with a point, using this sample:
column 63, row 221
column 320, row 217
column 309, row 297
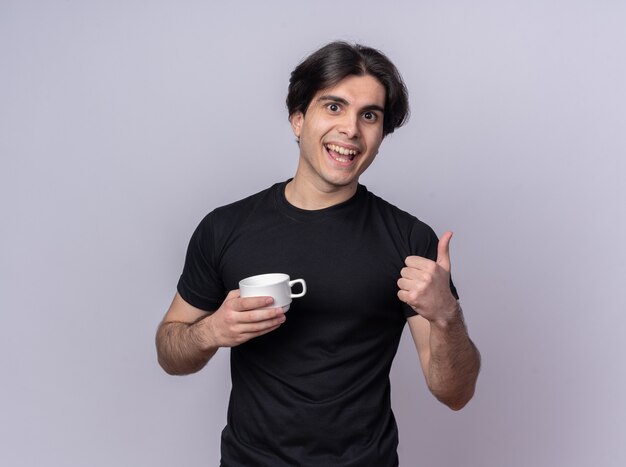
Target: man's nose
column 350, row 126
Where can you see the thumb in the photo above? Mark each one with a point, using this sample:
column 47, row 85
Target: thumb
column 443, row 251
column 232, row 294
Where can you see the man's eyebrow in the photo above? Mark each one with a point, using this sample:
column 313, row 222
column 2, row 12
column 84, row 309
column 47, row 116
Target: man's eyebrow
column 329, row 97
column 374, row 107
column 341, row 100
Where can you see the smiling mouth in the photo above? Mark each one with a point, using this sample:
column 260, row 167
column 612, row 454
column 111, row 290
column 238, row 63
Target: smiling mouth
column 341, row 154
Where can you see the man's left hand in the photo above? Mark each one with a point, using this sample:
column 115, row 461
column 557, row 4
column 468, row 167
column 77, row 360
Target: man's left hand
column 425, row 284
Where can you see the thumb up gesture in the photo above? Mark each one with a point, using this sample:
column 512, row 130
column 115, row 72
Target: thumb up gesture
column 425, row 284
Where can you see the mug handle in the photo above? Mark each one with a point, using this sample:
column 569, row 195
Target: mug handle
column 296, row 281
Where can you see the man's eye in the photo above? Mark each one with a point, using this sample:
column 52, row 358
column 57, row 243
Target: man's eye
column 370, row 116
column 333, row 107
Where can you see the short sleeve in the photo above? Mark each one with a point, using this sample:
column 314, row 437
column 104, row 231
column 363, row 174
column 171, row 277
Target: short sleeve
column 200, row 284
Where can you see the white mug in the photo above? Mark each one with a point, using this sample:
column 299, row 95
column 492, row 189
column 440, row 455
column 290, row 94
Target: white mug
column 275, row 285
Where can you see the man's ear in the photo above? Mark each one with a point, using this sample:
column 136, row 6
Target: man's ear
column 296, row 119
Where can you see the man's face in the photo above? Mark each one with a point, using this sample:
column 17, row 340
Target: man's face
column 341, row 132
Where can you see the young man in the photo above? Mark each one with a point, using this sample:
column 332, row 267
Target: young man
column 311, row 387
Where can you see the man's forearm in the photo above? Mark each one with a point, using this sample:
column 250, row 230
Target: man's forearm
column 454, row 363
column 180, row 349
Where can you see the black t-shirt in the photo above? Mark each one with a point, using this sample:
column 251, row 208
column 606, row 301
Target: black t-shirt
column 316, row 391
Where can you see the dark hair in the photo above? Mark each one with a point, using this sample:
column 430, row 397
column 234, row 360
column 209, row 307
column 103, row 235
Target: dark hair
column 338, row 60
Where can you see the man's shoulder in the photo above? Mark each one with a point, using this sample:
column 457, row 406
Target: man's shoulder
column 267, row 194
column 225, row 219
column 387, row 206
column 399, row 215
column 236, row 213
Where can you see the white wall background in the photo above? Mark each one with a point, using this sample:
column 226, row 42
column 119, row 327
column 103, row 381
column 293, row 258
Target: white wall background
column 123, row 122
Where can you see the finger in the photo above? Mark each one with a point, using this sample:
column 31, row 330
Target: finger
column 443, row 251
column 405, row 297
column 412, row 284
column 415, row 275
column 232, row 294
column 258, row 333
column 261, row 326
column 418, row 262
column 251, row 303
column 244, row 332
column 260, row 315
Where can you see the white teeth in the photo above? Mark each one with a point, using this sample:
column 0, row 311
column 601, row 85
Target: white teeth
column 342, row 151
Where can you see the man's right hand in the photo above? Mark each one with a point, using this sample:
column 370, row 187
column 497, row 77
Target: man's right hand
column 238, row 320
column 189, row 337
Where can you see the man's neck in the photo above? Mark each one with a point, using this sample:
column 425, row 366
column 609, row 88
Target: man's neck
column 303, row 194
